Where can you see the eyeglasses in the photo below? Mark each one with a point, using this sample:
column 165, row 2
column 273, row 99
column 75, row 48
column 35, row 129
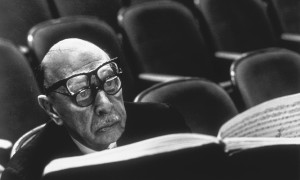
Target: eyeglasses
column 83, row 87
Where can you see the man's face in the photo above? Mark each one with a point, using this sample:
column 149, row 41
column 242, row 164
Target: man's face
column 98, row 124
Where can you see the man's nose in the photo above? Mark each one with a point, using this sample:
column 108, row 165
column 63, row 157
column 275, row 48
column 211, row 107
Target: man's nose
column 102, row 103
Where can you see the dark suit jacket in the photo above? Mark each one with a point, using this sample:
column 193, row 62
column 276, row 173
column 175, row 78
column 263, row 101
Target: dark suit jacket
column 144, row 120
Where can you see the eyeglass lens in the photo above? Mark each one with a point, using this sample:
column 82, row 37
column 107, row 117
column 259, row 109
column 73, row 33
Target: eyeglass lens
column 84, row 87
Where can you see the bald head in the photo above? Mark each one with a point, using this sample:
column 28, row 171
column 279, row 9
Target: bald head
column 69, row 57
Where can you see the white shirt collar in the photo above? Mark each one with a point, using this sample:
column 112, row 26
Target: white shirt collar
column 87, row 150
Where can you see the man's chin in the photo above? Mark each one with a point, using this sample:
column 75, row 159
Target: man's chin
column 108, row 136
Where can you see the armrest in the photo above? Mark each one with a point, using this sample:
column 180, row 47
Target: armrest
column 5, row 144
column 227, row 86
column 149, row 79
column 291, row 41
column 223, row 61
column 26, row 52
column 291, row 37
column 5, row 148
column 231, row 56
column 1, row 169
column 24, row 49
column 156, row 78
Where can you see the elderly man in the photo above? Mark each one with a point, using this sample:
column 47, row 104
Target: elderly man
column 83, row 97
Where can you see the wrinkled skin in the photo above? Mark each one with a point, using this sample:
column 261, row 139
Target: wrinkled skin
column 97, row 125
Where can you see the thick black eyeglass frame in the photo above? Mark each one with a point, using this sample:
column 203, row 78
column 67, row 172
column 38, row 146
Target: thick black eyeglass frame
column 63, row 82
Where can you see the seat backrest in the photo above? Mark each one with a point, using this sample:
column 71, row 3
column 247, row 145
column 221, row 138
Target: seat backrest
column 105, row 10
column 266, row 74
column 18, row 94
column 17, row 17
column 44, row 35
column 238, row 26
column 165, row 38
column 287, row 13
column 204, row 105
column 187, row 3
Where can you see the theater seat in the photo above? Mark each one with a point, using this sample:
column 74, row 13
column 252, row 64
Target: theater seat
column 204, row 105
column 163, row 38
column 286, row 18
column 42, row 36
column 17, row 17
column 287, row 13
column 238, row 26
column 20, row 111
column 187, row 3
column 105, row 10
column 266, row 74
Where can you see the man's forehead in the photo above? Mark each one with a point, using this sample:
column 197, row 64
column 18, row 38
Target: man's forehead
column 64, row 62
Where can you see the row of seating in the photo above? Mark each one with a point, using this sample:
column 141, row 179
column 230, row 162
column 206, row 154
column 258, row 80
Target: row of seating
column 207, row 32
column 34, row 11
column 42, row 37
column 151, row 46
column 153, row 51
column 17, row 17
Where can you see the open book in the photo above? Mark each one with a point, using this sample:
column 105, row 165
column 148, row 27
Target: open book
column 275, row 123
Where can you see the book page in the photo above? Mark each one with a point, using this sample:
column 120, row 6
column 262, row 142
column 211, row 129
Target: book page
column 147, row 147
column 278, row 117
column 234, row 145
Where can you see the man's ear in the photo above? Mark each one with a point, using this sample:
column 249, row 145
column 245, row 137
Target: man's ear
column 46, row 104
